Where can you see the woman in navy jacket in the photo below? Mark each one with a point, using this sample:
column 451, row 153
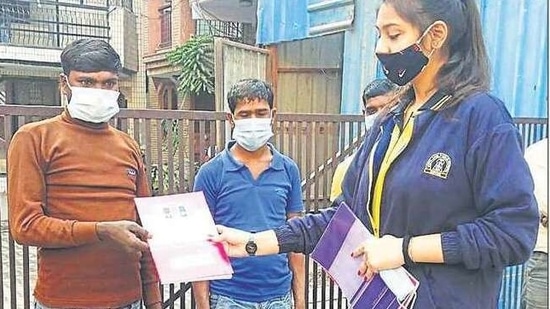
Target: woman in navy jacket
column 440, row 179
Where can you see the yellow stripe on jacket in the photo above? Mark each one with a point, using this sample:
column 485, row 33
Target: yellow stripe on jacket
column 398, row 142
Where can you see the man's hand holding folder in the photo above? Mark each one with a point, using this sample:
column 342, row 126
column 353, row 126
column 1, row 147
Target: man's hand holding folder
column 181, row 226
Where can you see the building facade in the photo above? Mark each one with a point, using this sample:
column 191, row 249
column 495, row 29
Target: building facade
column 34, row 32
column 167, row 25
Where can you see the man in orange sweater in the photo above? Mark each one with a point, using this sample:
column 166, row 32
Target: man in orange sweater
column 72, row 180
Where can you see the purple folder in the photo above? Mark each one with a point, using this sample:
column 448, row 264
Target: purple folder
column 344, row 233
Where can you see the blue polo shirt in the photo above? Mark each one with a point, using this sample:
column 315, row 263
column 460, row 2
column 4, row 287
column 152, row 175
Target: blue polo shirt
column 239, row 201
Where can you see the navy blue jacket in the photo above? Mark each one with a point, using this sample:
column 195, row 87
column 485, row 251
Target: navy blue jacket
column 483, row 205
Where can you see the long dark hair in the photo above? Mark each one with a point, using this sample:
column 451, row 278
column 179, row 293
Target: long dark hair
column 467, row 68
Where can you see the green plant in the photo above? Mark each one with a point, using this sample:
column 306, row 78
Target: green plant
column 196, row 60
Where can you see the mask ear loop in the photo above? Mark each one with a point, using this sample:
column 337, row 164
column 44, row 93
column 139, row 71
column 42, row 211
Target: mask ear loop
column 66, row 78
column 422, row 37
column 431, row 53
column 272, row 118
column 231, row 122
column 424, row 34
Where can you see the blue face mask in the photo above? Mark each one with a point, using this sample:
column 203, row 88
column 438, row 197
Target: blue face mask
column 252, row 133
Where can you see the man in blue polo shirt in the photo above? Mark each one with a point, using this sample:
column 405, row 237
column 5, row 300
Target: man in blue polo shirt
column 253, row 187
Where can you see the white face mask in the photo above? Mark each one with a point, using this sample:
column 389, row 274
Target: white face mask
column 369, row 120
column 93, row 104
column 252, row 133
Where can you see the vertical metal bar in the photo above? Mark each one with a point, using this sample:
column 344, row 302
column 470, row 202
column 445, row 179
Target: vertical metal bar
column 26, row 279
column 212, row 139
column 136, row 129
column 13, row 279
column 323, row 289
column 331, row 294
column 171, row 293
column 326, row 154
column 159, row 160
column 275, row 139
column 283, row 147
column 526, row 134
column 123, row 124
column 171, row 125
column 182, row 184
column 107, row 11
column 315, row 285
column 183, row 292
column 220, row 134
column 340, row 302
column 306, row 279
column 202, row 141
column 316, row 140
column 57, row 26
column 290, row 130
column 191, row 151
column 532, row 134
column 508, row 288
column 12, row 249
column 148, row 152
column 350, row 132
column 333, row 157
column 307, row 140
column 8, row 134
column 296, row 135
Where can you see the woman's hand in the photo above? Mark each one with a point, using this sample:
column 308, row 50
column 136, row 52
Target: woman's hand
column 233, row 240
column 379, row 254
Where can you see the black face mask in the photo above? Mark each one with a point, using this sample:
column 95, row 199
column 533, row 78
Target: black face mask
column 403, row 66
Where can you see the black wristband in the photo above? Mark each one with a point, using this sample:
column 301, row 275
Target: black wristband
column 405, row 248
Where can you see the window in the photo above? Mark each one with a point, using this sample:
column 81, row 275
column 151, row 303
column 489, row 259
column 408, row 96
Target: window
column 14, row 11
column 165, row 27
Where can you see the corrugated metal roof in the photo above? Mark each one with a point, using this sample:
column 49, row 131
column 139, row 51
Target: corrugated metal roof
column 329, row 16
column 359, row 64
column 516, row 35
column 281, row 21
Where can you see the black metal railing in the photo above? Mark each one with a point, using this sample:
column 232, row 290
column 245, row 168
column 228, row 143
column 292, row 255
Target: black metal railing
column 52, row 24
column 224, row 29
column 314, row 141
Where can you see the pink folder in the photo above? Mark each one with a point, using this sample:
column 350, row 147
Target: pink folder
column 180, row 225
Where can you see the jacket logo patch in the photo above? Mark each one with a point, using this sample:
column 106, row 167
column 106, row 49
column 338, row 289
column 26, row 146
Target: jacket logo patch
column 438, row 165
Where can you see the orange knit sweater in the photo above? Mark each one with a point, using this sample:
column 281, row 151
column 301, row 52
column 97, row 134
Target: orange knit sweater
column 63, row 178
